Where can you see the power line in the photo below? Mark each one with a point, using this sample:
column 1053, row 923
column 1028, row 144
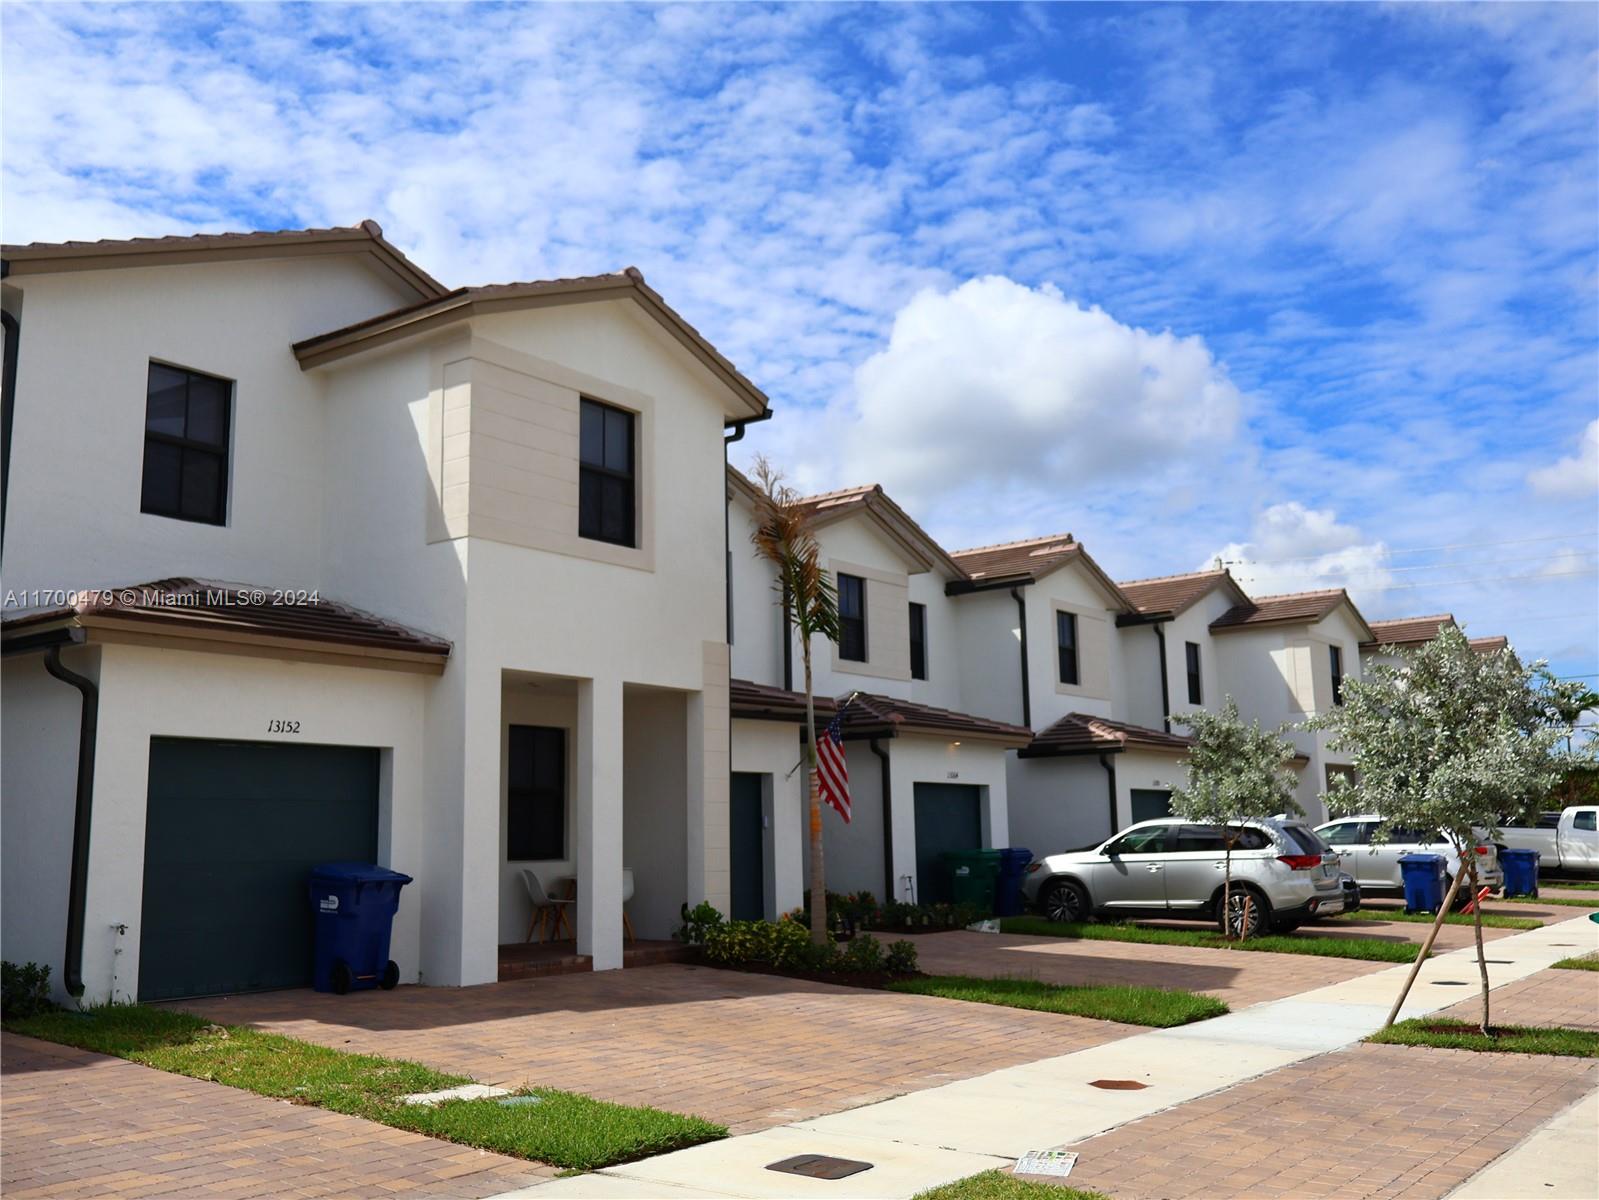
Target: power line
column 1553, row 537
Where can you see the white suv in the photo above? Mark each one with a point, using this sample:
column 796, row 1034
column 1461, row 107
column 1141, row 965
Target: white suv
column 1283, row 875
column 1375, row 864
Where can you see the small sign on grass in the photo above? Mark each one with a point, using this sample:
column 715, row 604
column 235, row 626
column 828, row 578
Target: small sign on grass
column 1057, row 1163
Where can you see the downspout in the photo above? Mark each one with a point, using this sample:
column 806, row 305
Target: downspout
column 78, row 881
column 1165, row 691
column 888, row 818
column 727, row 515
column 788, row 645
column 1027, row 690
column 1109, row 764
column 8, row 403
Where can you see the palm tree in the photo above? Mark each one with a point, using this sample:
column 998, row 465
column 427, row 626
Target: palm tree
column 784, row 537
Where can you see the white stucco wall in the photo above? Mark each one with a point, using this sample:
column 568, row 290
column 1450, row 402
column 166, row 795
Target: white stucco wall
column 1057, row 804
column 757, row 605
column 1101, row 691
column 990, row 669
column 772, row 749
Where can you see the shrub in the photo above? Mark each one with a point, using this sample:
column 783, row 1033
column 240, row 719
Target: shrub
column 24, row 991
column 698, row 922
column 901, row 957
column 791, row 944
column 864, row 953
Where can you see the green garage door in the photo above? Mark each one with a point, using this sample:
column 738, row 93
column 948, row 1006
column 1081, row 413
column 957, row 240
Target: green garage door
column 949, row 816
column 232, row 829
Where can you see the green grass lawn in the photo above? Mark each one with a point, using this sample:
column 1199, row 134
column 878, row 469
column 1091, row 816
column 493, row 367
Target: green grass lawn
column 1510, row 1039
column 1370, row 949
column 1579, row 885
column 996, row 1185
column 1159, row 1007
column 1570, row 901
column 563, row 1129
column 1581, row 962
column 1489, row 920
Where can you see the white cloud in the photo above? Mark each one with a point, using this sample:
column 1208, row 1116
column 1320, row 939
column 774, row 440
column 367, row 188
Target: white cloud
column 1297, row 549
column 1576, row 475
column 993, row 383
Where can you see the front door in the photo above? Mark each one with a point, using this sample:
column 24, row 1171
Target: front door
column 747, row 848
column 949, row 817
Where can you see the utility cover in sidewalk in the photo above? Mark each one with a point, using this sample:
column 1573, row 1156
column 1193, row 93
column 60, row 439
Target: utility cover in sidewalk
column 1118, row 1085
column 467, row 1091
column 819, row 1166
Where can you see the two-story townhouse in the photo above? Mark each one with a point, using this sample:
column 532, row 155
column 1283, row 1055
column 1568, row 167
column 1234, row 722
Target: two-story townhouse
column 926, row 777
column 526, row 482
column 1392, row 638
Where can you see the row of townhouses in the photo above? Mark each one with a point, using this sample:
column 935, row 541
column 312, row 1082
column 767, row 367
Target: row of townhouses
column 308, row 557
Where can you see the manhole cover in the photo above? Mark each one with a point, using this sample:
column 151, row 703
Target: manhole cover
column 1118, row 1085
column 819, row 1166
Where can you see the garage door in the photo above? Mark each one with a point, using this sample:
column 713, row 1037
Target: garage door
column 949, row 816
column 232, row 829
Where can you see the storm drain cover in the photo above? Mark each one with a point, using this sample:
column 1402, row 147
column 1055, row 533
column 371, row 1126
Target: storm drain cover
column 1118, row 1085
column 819, row 1166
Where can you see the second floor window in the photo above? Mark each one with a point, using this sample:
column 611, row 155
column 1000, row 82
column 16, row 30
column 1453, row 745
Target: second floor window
column 186, row 418
column 1195, row 689
column 605, row 501
column 852, row 617
column 1066, row 645
column 918, row 641
column 1335, row 655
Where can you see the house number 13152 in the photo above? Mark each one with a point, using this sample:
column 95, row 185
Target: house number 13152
column 277, row 726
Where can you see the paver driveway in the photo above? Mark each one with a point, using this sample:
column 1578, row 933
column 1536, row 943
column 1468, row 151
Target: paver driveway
column 81, row 1124
column 750, row 1051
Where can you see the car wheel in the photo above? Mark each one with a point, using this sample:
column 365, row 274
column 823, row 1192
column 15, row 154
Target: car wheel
column 1064, row 900
column 391, row 976
column 341, row 977
column 1247, row 916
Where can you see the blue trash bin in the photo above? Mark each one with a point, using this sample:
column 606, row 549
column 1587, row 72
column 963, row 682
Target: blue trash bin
column 354, row 905
column 1521, row 871
column 1424, row 881
column 1008, row 890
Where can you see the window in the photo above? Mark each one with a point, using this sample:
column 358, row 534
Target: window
column 1335, row 655
column 186, row 421
column 852, row 617
column 1195, row 693
column 1066, row 644
column 1584, row 820
column 1212, row 839
column 535, row 825
column 918, row 641
column 1140, row 841
column 1307, row 839
column 1347, row 833
column 605, row 474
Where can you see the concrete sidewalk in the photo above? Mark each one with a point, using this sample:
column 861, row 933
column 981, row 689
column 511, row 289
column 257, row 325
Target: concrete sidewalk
column 1560, row 1161
column 931, row 1137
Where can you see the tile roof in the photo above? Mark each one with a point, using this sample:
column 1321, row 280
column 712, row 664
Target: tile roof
column 1172, row 593
column 1487, row 645
column 1407, row 631
column 761, row 702
column 869, row 715
column 1080, row 733
column 468, row 301
column 1031, row 558
column 39, row 257
column 825, row 507
column 1292, row 608
column 218, row 611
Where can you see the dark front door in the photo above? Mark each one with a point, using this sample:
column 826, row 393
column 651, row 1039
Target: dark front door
column 949, row 816
column 1149, row 803
column 231, row 830
column 747, row 849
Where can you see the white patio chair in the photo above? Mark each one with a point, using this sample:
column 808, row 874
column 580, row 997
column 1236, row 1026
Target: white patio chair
column 549, row 914
column 627, row 894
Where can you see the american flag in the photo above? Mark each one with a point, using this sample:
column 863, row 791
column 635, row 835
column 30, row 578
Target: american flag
column 832, row 772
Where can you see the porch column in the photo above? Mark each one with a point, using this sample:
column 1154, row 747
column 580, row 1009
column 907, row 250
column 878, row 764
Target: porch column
column 709, row 819
column 599, row 821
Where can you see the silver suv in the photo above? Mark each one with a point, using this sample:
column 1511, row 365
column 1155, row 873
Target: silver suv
column 1283, row 875
column 1375, row 864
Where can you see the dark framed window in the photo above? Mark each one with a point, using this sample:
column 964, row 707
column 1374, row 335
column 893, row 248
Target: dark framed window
column 605, row 476
column 1335, row 655
column 1140, row 841
column 1066, row 646
column 186, row 419
column 851, row 617
column 535, row 824
column 1196, row 692
column 918, row 641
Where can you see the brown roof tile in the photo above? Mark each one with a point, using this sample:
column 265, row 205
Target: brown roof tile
column 1080, row 733
column 1173, row 593
column 826, row 507
column 1031, row 558
column 1407, row 631
column 1292, row 608
column 869, row 715
column 1487, row 645
column 761, row 702
column 207, row 609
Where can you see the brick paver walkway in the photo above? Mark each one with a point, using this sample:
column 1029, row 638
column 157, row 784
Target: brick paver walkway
column 1569, row 998
column 750, row 1051
column 80, row 1125
column 1366, row 1122
column 1239, row 978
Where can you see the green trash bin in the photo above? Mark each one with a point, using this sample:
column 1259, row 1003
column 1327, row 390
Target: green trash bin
column 973, row 876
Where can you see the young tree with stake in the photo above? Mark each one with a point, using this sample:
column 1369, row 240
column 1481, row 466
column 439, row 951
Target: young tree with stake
column 1236, row 773
column 784, row 537
column 1458, row 741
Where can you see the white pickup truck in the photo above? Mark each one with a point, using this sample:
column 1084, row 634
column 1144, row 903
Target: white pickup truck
column 1565, row 841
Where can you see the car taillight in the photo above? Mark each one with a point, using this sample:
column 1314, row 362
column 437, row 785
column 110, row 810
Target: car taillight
column 1034, row 866
column 1482, row 849
column 1300, row 862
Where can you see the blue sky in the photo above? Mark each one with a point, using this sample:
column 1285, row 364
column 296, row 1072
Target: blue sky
column 1310, row 286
